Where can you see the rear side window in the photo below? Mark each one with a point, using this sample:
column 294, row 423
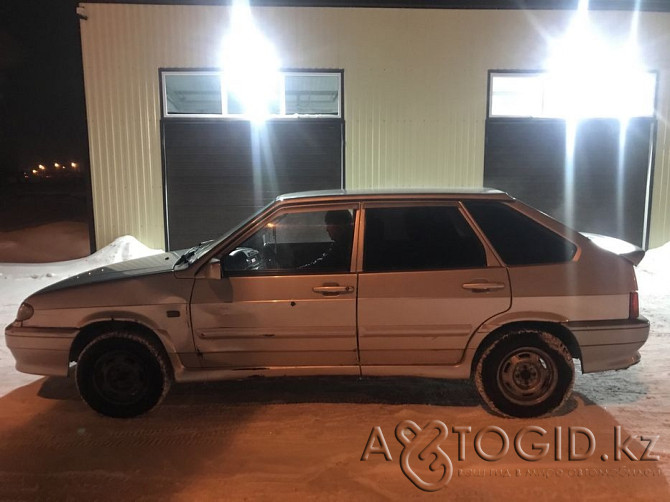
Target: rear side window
column 419, row 238
column 518, row 239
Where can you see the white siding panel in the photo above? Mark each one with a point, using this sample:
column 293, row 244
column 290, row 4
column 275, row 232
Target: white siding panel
column 660, row 207
column 415, row 84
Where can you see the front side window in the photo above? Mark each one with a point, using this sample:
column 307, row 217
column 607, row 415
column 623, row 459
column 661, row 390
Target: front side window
column 297, row 243
column 419, row 238
column 518, row 239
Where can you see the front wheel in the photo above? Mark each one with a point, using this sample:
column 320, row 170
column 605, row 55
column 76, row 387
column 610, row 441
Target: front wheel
column 121, row 375
column 525, row 374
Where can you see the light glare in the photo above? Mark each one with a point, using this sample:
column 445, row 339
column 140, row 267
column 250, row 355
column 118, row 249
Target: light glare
column 250, row 65
column 591, row 75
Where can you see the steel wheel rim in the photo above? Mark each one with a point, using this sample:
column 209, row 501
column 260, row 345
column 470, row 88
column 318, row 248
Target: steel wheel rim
column 527, row 376
column 120, row 377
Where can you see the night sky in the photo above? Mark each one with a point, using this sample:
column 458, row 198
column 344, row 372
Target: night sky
column 42, row 107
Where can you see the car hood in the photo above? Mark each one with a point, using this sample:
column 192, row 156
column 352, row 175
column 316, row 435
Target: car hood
column 156, row 264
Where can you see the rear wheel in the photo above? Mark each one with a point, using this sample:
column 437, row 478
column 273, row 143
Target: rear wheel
column 525, row 374
column 121, row 374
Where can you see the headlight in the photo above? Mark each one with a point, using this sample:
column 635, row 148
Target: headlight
column 25, row 312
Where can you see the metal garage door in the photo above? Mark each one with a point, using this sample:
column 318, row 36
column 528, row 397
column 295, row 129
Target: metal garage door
column 603, row 189
column 217, row 172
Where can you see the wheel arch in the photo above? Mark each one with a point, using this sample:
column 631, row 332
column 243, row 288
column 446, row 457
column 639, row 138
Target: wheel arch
column 553, row 328
column 95, row 329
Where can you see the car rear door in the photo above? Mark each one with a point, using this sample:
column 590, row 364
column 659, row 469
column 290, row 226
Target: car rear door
column 427, row 282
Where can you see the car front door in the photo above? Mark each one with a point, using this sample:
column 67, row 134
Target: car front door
column 286, row 296
column 427, row 283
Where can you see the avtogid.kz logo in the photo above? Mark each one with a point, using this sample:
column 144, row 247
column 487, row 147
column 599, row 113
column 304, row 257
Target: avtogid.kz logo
column 426, row 464
column 424, row 445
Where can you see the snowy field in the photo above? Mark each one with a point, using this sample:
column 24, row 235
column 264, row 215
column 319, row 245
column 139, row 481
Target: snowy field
column 303, row 438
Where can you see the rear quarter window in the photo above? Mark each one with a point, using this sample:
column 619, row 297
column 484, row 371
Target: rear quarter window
column 518, row 239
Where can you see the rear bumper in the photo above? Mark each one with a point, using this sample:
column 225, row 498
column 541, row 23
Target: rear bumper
column 40, row 351
column 609, row 345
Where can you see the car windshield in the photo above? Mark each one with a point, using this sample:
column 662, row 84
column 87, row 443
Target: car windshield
column 195, row 253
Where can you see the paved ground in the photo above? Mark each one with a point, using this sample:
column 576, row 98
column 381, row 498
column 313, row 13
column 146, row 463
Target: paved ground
column 286, row 439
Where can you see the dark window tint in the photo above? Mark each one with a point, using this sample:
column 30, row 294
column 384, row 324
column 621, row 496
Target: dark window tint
column 419, row 238
column 518, row 239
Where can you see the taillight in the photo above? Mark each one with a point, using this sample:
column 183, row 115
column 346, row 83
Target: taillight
column 634, row 306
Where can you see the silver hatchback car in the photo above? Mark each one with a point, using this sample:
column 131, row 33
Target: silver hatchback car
column 468, row 284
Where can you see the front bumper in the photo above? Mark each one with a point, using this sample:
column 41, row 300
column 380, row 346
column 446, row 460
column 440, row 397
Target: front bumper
column 40, row 351
column 609, row 345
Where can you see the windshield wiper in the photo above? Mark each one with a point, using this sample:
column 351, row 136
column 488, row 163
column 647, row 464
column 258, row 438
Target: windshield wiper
column 186, row 257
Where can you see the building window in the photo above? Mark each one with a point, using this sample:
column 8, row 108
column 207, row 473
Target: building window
column 542, row 95
column 312, row 94
column 301, row 94
column 192, row 93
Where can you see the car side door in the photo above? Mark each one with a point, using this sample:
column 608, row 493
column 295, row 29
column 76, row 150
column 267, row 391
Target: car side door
column 286, row 297
column 427, row 282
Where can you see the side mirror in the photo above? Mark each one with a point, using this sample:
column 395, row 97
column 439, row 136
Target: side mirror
column 214, row 270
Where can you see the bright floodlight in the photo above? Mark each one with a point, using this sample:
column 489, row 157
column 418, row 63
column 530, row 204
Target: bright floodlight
column 250, row 65
column 592, row 76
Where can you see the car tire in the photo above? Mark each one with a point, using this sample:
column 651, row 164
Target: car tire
column 122, row 374
column 525, row 374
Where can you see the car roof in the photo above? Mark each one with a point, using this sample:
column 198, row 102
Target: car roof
column 403, row 193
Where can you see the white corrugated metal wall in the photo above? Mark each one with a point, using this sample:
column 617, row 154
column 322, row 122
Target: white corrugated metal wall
column 415, row 91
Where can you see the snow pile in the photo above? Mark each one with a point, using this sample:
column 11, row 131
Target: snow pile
column 122, row 249
column 653, row 275
column 656, row 261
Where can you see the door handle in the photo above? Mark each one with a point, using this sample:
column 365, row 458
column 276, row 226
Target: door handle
column 483, row 286
column 333, row 290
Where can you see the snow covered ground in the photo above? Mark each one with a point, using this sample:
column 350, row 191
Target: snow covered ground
column 299, row 438
column 67, row 240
